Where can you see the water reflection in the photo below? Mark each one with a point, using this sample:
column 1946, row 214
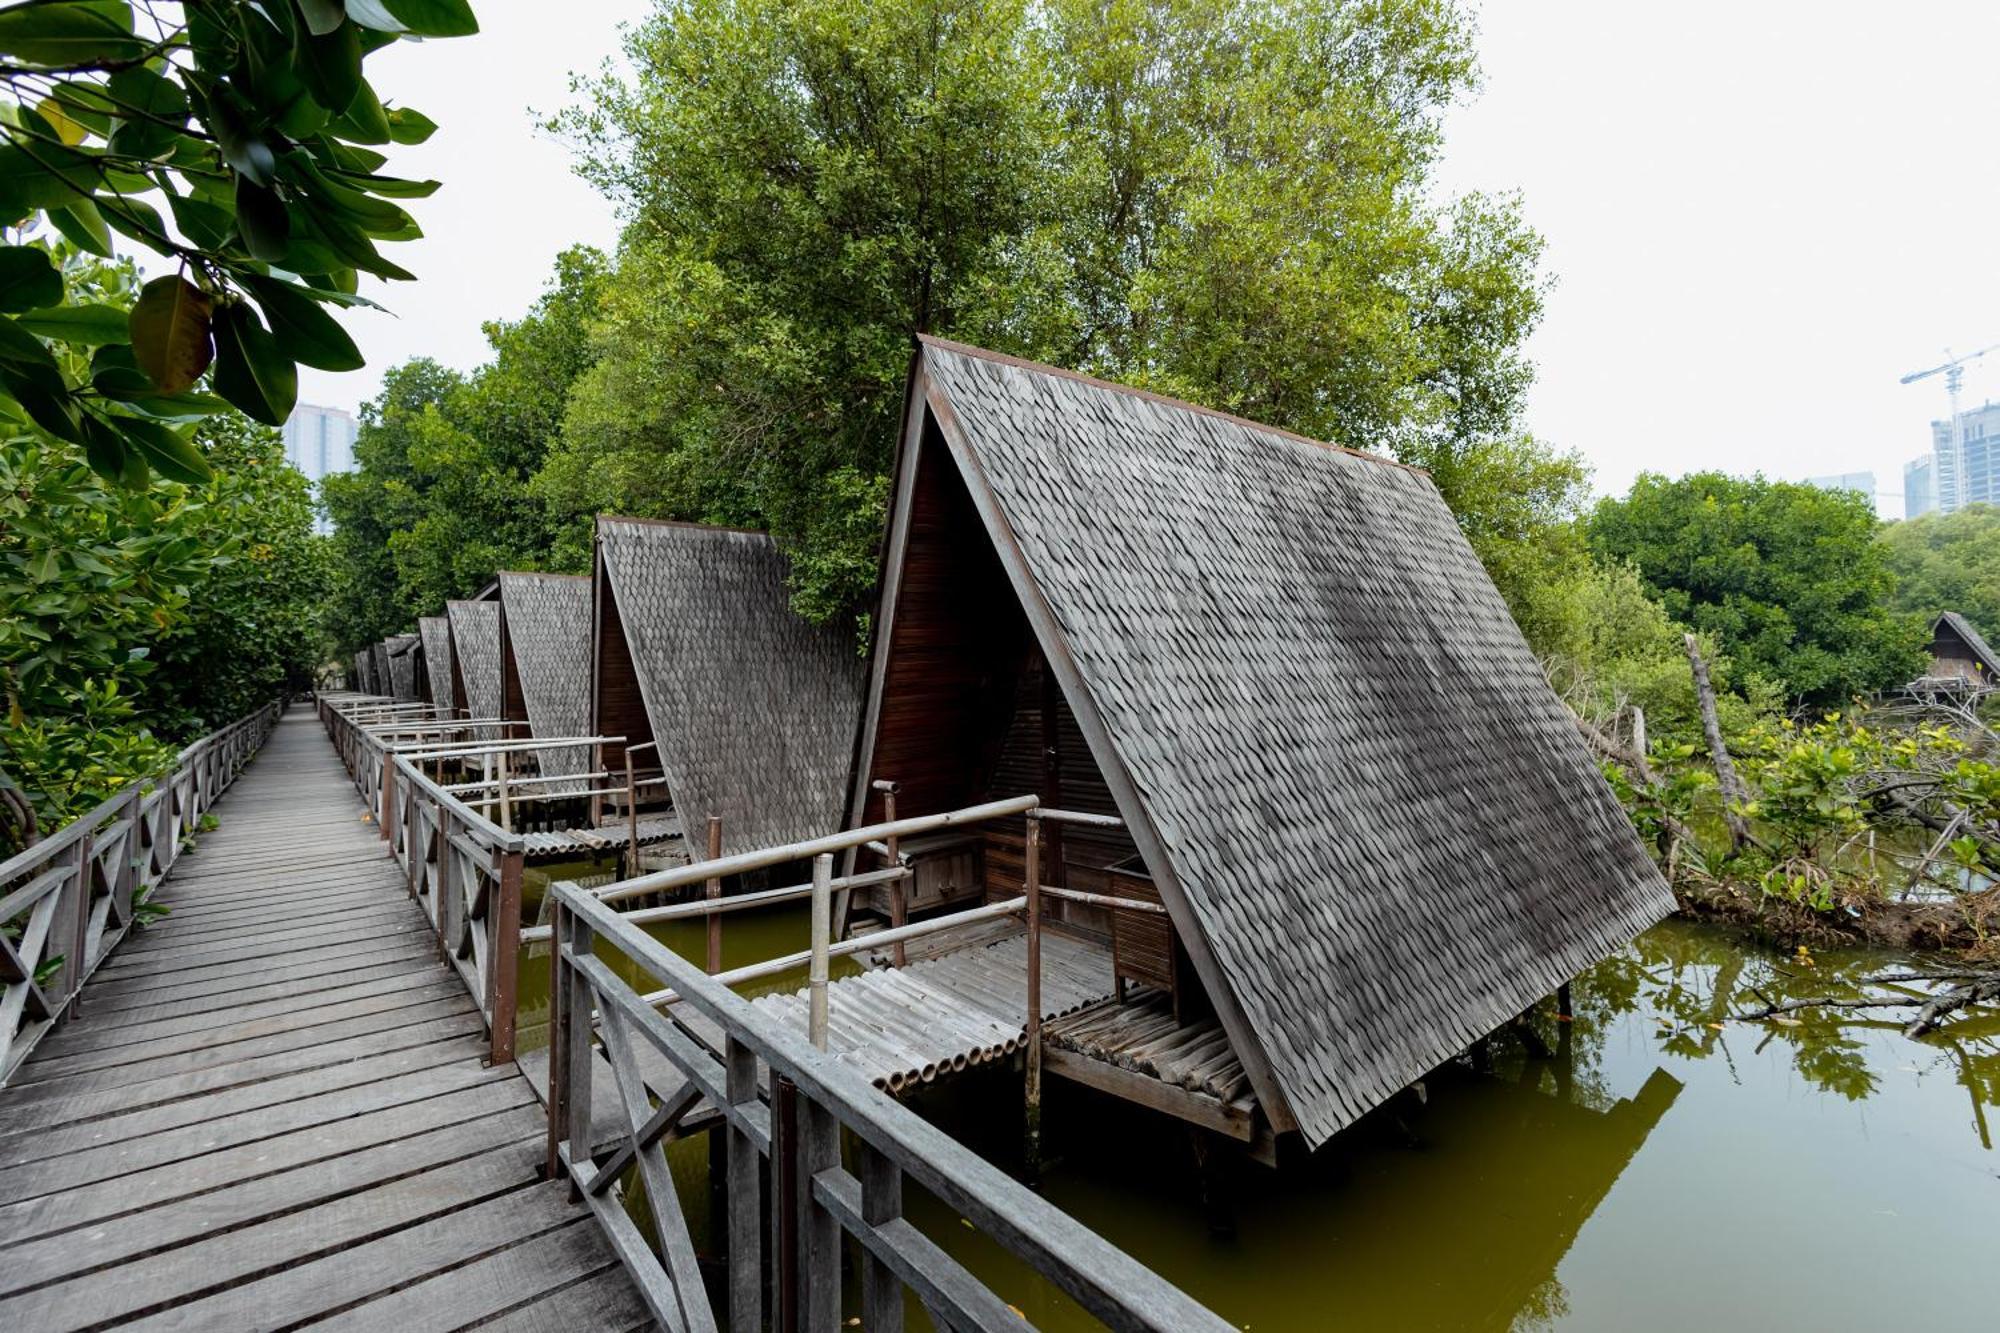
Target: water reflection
column 1668, row 1168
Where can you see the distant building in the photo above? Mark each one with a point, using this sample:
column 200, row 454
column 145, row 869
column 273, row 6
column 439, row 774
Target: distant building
column 319, row 441
column 1967, row 465
column 1861, row 482
column 1920, row 486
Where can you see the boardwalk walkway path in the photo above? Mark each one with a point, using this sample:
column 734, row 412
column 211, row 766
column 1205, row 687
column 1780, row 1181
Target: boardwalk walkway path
column 273, row 1110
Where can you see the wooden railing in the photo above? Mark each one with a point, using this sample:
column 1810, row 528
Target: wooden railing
column 465, row 872
column 784, row 1101
column 67, row 901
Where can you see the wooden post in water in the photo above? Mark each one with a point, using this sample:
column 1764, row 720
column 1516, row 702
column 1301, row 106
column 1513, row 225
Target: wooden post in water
column 1032, row 1053
column 712, row 892
column 898, row 901
column 822, row 927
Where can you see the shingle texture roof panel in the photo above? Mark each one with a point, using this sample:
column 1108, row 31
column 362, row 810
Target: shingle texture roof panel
column 436, row 634
column 475, row 638
column 1386, row 825
column 754, row 709
column 548, row 629
column 402, row 666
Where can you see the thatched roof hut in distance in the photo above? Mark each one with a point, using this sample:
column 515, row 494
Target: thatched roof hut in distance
column 475, row 655
column 1375, row 829
column 436, row 634
column 697, row 648
column 406, row 676
column 545, row 662
column 1959, row 652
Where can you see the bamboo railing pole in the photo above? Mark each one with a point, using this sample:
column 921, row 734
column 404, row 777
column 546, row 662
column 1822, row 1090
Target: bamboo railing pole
column 1032, row 1053
column 899, row 906
column 631, row 816
column 822, row 927
column 506, row 805
column 713, row 892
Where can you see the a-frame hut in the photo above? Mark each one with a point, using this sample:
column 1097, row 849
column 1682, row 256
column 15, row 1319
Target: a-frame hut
column 436, row 634
column 1374, row 828
column 545, row 663
column 1959, row 652
column 475, row 655
column 753, row 709
column 404, row 669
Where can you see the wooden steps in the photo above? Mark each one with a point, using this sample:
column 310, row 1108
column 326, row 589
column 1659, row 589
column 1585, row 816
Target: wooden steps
column 272, row 1109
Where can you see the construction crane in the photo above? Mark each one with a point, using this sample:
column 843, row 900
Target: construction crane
column 1953, row 370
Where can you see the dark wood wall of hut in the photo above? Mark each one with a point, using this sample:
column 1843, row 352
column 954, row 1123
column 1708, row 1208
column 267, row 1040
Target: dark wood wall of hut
column 958, row 642
column 616, row 706
column 969, row 713
column 513, row 705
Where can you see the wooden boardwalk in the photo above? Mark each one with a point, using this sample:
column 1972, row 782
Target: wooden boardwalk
column 273, row 1110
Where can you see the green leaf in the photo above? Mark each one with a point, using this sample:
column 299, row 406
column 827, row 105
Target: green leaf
column 375, row 14
column 434, row 18
column 407, row 126
column 170, row 332
column 50, row 175
column 169, row 452
column 261, row 220
column 104, row 449
column 87, row 325
column 389, row 186
column 28, row 278
column 306, row 332
column 208, row 225
column 241, row 146
column 115, row 373
column 69, row 32
column 364, row 121
column 322, row 16
column 140, row 91
column 251, row 370
column 83, row 226
column 331, row 66
column 136, row 218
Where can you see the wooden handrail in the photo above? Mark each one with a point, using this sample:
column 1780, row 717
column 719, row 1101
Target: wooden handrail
column 813, row 1100
column 77, row 888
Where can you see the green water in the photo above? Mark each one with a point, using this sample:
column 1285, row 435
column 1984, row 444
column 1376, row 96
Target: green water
column 1659, row 1173
column 1665, row 1176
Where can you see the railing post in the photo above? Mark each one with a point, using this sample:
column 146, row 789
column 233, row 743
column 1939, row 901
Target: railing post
column 79, row 930
column 1032, row 1052
column 746, row 1193
column 506, row 807
column 558, row 1068
column 388, row 796
column 822, row 926
column 503, row 948
column 713, row 891
column 898, row 899
column 881, row 1201
column 632, row 816
column 819, row 1150
column 577, row 1006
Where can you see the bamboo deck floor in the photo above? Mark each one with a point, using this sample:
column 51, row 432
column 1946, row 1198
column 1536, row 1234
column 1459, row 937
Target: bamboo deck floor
column 273, row 1111
column 655, row 831
column 907, row 1025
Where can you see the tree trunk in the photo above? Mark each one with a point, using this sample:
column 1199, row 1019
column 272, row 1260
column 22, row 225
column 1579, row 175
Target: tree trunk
column 1734, row 795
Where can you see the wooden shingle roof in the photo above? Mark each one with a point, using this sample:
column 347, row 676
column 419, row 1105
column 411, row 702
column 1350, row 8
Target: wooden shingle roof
column 475, row 644
column 547, row 624
column 753, row 708
column 436, row 634
column 1375, row 824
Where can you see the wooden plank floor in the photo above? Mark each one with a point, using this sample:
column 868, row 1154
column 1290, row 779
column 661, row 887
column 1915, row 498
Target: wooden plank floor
column 273, row 1110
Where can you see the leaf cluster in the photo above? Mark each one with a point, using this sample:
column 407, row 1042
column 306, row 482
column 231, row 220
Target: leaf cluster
column 234, row 138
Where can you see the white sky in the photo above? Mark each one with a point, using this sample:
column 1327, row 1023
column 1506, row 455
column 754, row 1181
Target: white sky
column 1759, row 215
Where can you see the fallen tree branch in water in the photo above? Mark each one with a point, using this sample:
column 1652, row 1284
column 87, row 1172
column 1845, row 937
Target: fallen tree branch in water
column 1970, row 989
